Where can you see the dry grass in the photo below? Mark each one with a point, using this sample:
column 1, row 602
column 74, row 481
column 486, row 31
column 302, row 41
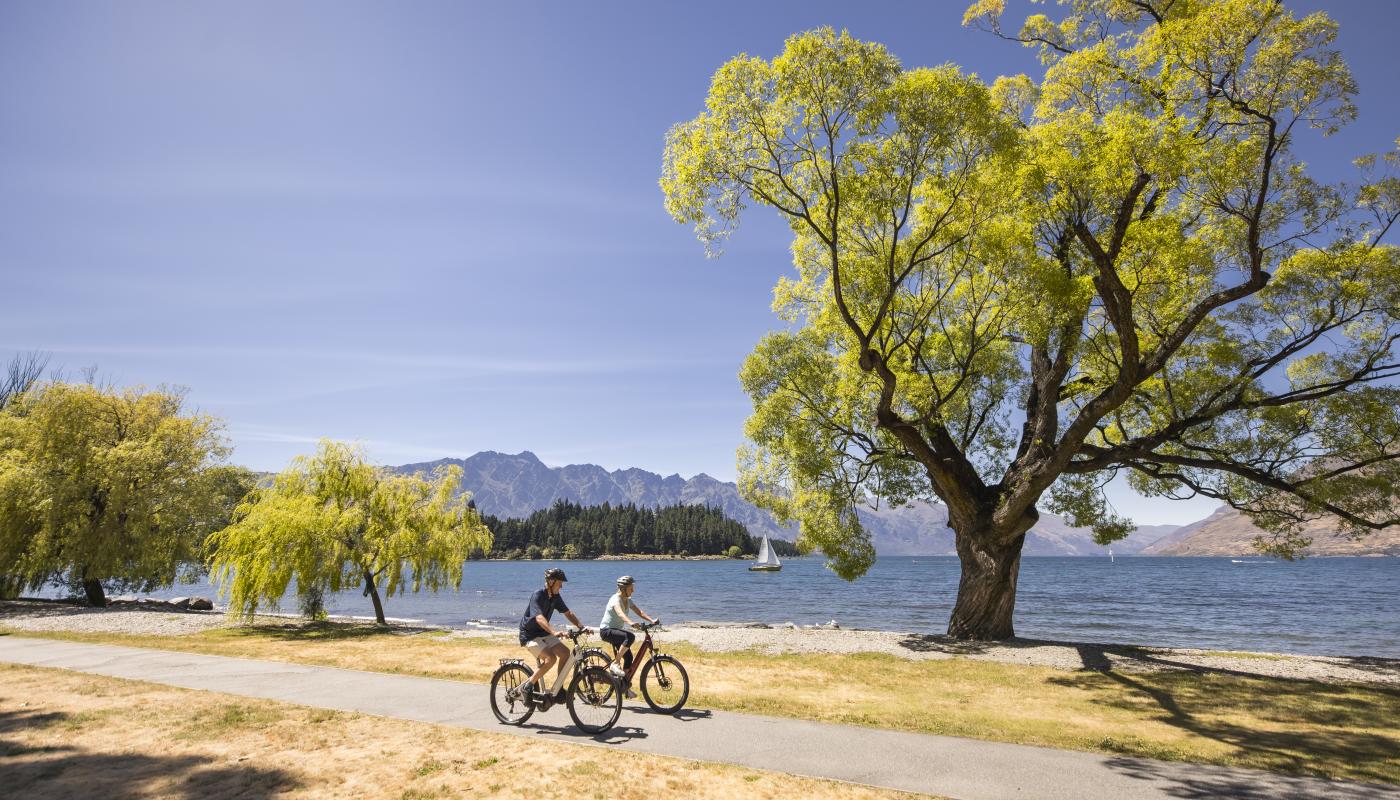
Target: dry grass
column 65, row 734
column 1349, row 731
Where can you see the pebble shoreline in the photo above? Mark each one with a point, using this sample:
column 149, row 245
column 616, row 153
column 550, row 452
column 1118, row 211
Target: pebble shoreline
column 789, row 639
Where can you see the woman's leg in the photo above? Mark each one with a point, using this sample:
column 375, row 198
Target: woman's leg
column 617, row 638
column 627, row 650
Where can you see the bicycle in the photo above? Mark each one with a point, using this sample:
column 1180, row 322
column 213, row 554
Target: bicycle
column 665, row 684
column 594, row 695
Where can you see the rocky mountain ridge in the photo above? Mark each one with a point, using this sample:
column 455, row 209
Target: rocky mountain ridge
column 514, row 485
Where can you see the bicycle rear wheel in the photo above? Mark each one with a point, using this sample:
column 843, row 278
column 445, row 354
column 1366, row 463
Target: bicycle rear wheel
column 508, row 702
column 665, row 685
column 594, row 657
column 595, row 700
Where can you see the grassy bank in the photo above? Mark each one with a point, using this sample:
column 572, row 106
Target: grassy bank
column 1349, row 731
column 65, row 734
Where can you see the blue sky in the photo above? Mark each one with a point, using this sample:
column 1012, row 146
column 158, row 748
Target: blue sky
column 432, row 227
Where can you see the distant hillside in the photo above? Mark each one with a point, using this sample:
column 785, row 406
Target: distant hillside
column 571, row 530
column 1227, row 532
column 506, row 485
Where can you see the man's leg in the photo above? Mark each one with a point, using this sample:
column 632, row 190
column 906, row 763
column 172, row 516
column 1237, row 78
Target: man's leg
column 561, row 656
column 544, row 652
column 546, row 661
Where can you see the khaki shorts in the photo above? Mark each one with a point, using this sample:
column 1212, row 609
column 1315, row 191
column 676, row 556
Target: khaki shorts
column 537, row 647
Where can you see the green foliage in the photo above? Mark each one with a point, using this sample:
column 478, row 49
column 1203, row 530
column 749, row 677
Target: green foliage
column 590, row 531
column 333, row 520
column 114, row 486
column 734, row 551
column 1030, row 286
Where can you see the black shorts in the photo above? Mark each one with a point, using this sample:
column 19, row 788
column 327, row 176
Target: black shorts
column 617, row 637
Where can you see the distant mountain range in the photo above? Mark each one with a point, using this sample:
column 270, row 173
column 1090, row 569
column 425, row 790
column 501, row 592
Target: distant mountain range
column 1227, row 532
column 507, row 485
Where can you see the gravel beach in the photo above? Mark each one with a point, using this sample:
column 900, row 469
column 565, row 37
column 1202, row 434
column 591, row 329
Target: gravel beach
column 19, row 615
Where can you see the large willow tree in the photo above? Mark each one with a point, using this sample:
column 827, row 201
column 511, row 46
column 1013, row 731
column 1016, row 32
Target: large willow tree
column 108, row 488
column 1009, row 294
column 334, row 520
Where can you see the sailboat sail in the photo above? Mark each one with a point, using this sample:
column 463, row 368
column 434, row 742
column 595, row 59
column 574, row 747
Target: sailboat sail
column 767, row 557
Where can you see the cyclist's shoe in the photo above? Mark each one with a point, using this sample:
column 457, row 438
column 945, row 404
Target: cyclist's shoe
column 616, row 671
column 560, row 697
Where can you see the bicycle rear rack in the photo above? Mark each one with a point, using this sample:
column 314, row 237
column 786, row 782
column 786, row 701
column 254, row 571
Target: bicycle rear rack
column 506, row 661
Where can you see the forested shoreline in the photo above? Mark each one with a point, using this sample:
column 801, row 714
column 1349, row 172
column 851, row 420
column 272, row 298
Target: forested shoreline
column 571, row 530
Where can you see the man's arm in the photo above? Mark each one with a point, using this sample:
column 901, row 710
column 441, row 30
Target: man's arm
column 544, row 623
column 573, row 619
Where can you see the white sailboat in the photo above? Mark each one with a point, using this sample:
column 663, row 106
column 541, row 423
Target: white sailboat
column 767, row 559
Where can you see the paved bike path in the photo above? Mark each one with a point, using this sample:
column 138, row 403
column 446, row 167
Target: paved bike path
column 966, row 769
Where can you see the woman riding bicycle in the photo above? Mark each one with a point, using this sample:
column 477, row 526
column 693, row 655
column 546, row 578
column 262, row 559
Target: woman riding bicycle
column 613, row 628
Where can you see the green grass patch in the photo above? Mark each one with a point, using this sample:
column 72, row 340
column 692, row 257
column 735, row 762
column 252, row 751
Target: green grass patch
column 429, row 767
column 1245, row 656
column 230, row 719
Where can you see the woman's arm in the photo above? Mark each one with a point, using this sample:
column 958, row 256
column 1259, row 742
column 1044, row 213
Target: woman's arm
column 640, row 613
column 620, row 607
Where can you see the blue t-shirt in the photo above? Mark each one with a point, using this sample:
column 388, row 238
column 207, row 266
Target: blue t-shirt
column 540, row 603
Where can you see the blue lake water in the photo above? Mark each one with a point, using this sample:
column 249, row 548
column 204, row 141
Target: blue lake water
column 1328, row 606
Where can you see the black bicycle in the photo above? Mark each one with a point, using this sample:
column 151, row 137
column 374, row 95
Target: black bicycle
column 593, row 695
column 665, row 684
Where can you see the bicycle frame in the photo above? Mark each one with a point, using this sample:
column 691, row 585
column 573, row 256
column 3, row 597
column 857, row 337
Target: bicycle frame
column 645, row 652
column 566, row 673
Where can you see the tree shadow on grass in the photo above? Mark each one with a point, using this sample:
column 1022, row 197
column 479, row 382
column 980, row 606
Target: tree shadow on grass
column 1184, row 781
column 322, row 631
column 1292, row 726
column 1383, row 667
column 69, row 770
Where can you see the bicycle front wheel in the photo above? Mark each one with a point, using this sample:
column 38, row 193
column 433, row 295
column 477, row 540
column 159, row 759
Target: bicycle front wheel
column 508, row 701
column 595, row 700
column 665, row 684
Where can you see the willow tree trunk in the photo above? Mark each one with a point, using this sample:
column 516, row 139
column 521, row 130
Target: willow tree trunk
column 373, row 592
column 95, row 596
column 987, row 590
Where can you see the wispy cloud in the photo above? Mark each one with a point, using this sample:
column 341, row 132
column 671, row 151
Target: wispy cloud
column 524, row 365
column 383, row 450
column 222, row 178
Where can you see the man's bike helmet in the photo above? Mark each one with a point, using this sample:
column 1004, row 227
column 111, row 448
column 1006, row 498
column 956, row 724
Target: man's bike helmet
column 555, row 574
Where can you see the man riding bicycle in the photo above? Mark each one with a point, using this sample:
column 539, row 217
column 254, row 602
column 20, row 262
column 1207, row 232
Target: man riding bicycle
column 538, row 637
column 613, row 628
